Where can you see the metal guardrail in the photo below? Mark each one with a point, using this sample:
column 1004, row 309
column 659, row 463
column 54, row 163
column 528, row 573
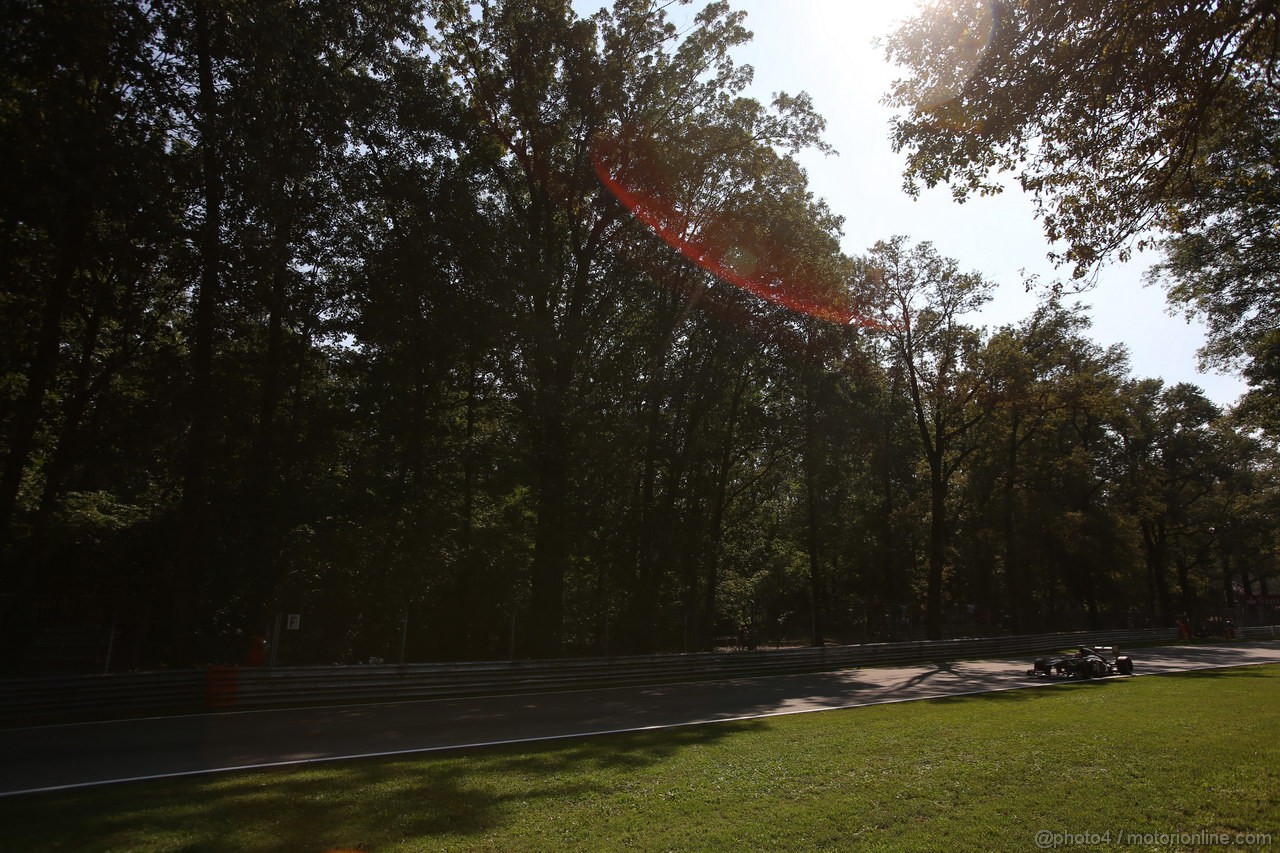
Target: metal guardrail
column 1260, row 632
column 59, row 699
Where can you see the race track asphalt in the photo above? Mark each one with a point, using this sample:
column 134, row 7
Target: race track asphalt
column 52, row 758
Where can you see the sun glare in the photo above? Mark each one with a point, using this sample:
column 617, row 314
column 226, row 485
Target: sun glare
column 746, row 267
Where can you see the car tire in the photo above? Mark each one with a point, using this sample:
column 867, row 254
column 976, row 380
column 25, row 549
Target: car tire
column 1124, row 665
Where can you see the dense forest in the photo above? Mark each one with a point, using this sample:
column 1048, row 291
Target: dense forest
column 475, row 330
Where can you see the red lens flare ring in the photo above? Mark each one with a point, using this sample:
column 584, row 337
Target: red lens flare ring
column 641, row 192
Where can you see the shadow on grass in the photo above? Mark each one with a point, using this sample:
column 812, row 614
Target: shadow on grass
column 1048, row 690
column 348, row 804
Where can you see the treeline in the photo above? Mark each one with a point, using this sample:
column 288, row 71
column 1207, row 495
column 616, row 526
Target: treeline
column 418, row 319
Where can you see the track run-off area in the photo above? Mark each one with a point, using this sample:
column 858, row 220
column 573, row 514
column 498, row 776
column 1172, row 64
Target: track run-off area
column 38, row 759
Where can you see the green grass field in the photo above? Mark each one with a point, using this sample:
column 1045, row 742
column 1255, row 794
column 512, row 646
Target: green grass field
column 1192, row 753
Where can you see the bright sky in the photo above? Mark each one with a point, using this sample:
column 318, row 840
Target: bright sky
column 824, row 47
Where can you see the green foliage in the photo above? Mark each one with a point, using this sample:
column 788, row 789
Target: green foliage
column 920, row 298
column 337, row 310
column 1148, row 125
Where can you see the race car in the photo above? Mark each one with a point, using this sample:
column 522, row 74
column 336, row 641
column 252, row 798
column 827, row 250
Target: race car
column 1088, row 662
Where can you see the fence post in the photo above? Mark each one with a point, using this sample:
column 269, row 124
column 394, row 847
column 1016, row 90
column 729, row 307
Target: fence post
column 275, row 640
column 404, row 633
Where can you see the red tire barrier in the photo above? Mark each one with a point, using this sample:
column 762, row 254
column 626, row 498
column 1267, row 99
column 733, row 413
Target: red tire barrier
column 220, row 684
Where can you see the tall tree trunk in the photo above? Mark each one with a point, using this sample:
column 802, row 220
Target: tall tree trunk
column 470, row 580
column 718, row 507
column 191, row 553
column 645, row 604
column 1091, row 597
column 1015, row 571
column 261, row 489
column 811, row 463
column 1228, row 588
column 44, row 367
column 70, row 434
column 891, row 546
column 1184, row 584
column 264, row 450
column 469, row 465
column 551, row 541
column 937, row 547
column 1155, row 539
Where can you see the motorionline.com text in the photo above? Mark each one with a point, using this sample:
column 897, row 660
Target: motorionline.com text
column 1049, row 840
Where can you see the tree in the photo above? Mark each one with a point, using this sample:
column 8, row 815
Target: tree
column 1169, row 468
column 1126, row 123
column 534, row 74
column 554, row 91
column 82, row 138
column 88, row 223
column 1223, row 259
column 267, row 102
column 1239, row 517
column 1046, row 444
column 919, row 298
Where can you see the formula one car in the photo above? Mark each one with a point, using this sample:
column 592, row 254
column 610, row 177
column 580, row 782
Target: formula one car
column 1088, row 662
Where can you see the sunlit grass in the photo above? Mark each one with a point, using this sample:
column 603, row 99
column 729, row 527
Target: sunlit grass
column 1187, row 753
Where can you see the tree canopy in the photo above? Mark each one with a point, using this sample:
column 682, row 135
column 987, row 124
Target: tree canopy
column 480, row 330
column 1132, row 124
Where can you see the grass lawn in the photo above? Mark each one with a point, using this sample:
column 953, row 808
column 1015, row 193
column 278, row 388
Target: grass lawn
column 1191, row 753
